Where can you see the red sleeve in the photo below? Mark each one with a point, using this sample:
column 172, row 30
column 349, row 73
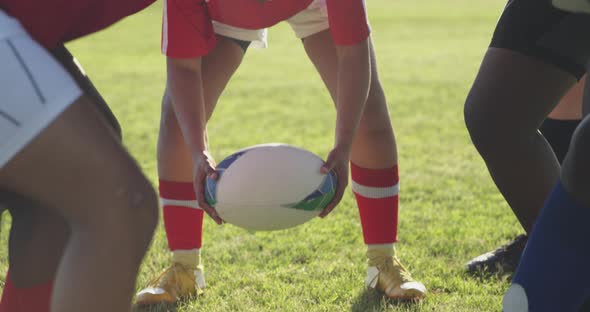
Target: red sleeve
column 348, row 21
column 187, row 30
column 54, row 22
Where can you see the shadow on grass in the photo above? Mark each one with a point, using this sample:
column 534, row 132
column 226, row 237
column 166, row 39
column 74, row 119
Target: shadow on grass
column 161, row 307
column 484, row 275
column 372, row 300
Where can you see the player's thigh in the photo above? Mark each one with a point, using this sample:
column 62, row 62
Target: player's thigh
column 77, row 168
column 321, row 50
column 218, row 68
column 515, row 89
column 59, row 154
column 530, row 65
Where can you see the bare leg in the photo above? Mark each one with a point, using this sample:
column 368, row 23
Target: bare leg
column 511, row 96
column 373, row 155
column 83, row 174
column 38, row 238
column 174, row 159
column 182, row 220
column 374, row 144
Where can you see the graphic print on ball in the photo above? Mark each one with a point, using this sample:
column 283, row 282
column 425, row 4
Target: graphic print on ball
column 320, row 197
column 211, row 185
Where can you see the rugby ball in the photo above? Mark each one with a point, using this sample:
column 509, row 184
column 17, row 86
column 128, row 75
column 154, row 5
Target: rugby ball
column 270, row 187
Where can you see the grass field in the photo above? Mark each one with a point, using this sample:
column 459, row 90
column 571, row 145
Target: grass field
column 428, row 54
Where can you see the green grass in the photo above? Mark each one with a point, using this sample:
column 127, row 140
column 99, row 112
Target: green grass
column 428, row 54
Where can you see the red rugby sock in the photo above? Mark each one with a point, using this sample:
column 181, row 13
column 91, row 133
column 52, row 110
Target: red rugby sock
column 36, row 298
column 183, row 220
column 376, row 193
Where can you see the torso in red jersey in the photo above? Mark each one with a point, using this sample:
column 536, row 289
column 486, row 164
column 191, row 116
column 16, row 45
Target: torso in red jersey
column 53, row 22
column 188, row 30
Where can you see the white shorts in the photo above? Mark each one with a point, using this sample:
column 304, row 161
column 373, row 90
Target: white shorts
column 34, row 88
column 312, row 20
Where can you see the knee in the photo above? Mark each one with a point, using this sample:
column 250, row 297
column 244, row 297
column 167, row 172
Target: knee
column 484, row 131
column 129, row 219
column 141, row 214
column 472, row 118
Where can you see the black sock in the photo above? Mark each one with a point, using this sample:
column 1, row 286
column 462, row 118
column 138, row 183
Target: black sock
column 559, row 134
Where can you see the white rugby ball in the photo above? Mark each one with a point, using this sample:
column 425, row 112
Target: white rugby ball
column 270, row 187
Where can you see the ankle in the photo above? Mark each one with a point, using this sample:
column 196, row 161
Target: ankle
column 187, row 258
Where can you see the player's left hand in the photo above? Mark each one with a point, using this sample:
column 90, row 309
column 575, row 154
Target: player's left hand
column 338, row 161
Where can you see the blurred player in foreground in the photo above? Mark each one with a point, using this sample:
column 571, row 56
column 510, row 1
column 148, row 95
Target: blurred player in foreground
column 82, row 213
column 553, row 274
column 526, row 71
column 537, row 54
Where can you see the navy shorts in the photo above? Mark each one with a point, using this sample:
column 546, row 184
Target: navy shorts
column 537, row 29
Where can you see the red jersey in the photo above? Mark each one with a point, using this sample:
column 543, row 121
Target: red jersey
column 53, row 22
column 188, row 30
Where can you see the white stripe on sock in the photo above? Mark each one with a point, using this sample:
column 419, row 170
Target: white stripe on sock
column 182, row 203
column 196, row 251
column 375, row 192
column 380, row 246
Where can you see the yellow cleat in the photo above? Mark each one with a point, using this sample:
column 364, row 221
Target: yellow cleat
column 175, row 283
column 387, row 274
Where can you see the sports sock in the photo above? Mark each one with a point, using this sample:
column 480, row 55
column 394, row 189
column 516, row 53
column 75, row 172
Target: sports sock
column 559, row 134
column 376, row 193
column 189, row 258
column 36, row 298
column 553, row 273
column 375, row 251
column 183, row 221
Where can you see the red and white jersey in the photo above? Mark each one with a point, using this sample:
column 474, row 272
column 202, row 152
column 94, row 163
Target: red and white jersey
column 53, row 22
column 187, row 29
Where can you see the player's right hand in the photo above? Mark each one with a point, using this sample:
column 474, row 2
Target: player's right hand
column 337, row 161
column 205, row 167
